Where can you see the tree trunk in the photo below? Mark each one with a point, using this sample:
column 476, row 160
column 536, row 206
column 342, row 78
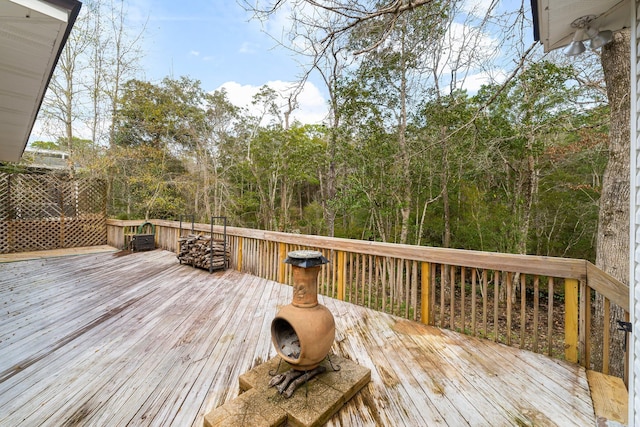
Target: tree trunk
column 612, row 244
column 405, row 163
column 446, row 238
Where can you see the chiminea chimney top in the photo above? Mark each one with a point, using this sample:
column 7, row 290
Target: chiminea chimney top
column 305, row 258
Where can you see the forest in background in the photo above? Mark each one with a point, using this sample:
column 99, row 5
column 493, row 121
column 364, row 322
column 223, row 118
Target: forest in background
column 404, row 156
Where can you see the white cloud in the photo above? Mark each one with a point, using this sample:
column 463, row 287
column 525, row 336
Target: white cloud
column 478, row 8
column 194, row 53
column 247, row 47
column 473, row 82
column 312, row 108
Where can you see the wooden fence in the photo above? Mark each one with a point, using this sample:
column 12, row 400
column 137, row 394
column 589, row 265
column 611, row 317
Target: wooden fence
column 543, row 304
column 39, row 212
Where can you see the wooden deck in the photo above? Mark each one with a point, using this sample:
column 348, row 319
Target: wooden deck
column 139, row 339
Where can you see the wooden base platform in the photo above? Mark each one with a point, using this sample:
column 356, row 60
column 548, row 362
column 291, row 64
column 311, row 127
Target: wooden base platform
column 141, row 340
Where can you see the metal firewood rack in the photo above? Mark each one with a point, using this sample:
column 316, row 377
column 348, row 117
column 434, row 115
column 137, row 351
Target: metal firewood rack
column 225, row 264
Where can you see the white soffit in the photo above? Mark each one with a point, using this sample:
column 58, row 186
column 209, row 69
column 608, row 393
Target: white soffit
column 32, row 34
column 554, row 18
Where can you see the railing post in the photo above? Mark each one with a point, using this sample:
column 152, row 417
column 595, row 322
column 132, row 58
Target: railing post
column 282, row 267
column 584, row 328
column 239, row 260
column 341, row 275
column 425, row 294
column 606, row 335
column 571, row 320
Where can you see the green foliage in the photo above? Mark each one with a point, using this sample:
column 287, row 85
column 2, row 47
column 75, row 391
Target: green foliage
column 46, row 145
column 179, row 150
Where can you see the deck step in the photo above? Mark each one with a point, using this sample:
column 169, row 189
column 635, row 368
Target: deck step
column 610, row 399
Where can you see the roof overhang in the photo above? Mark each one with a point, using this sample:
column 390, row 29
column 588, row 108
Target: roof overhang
column 552, row 18
column 32, row 35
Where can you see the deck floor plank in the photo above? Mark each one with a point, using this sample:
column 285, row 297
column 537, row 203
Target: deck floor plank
column 101, row 339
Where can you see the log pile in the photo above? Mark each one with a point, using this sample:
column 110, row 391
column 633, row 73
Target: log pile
column 195, row 250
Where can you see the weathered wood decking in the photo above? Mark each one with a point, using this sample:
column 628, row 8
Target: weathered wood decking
column 141, row 340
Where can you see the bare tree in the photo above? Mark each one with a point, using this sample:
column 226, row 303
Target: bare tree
column 123, row 58
column 64, row 103
column 84, row 90
column 347, row 15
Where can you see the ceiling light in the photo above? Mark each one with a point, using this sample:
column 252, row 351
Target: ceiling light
column 600, row 39
column 576, row 47
column 585, row 30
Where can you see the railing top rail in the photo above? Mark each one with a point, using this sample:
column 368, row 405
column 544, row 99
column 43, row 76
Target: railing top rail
column 528, row 264
column 608, row 286
column 568, row 268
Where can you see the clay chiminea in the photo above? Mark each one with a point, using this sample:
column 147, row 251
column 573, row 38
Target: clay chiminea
column 303, row 331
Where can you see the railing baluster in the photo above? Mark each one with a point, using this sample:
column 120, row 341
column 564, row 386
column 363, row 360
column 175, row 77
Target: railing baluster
column 550, row 317
column 407, row 287
column 378, row 283
column 473, row 301
column 370, row 281
column 384, row 284
column 452, row 297
column 443, row 267
column 606, row 327
column 414, row 289
column 523, row 308
column 485, row 299
column 584, row 350
column 536, row 308
column 432, row 297
column 509, row 305
column 496, row 302
column 463, row 316
column 351, row 277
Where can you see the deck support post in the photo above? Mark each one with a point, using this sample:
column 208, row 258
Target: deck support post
column 425, row 293
column 341, row 275
column 282, row 267
column 571, row 320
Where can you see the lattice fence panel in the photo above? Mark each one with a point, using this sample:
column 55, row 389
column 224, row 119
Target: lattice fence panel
column 39, row 212
column 86, row 230
column 4, row 195
column 4, row 213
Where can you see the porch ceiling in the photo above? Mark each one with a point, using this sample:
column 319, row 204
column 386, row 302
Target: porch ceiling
column 552, row 18
column 32, row 35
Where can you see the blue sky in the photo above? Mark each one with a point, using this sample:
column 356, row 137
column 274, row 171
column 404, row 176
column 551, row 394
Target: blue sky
column 216, row 42
column 213, row 41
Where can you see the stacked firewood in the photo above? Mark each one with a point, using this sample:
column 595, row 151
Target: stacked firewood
column 196, row 250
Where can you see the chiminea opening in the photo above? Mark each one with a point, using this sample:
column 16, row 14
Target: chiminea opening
column 286, row 339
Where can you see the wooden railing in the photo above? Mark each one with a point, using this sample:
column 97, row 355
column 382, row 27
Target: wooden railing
column 543, row 304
